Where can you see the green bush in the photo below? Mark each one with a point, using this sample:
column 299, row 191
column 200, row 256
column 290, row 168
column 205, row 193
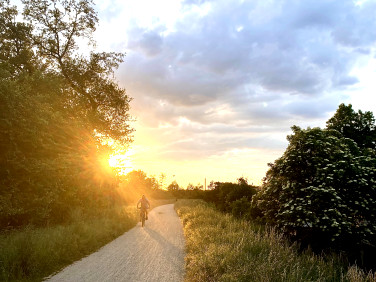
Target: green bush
column 241, row 208
column 322, row 190
column 223, row 195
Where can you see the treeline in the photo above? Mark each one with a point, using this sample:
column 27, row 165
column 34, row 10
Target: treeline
column 234, row 198
column 136, row 183
column 57, row 106
column 321, row 192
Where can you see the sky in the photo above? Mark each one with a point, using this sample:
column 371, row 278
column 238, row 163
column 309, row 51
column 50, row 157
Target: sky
column 216, row 85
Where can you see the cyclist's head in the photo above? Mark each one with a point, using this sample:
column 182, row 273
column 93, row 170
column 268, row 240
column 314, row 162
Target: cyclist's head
column 143, row 196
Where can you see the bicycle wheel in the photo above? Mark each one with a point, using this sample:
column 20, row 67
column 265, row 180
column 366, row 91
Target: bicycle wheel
column 143, row 219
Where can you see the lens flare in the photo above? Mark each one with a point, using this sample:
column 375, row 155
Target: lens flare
column 113, row 160
column 122, row 162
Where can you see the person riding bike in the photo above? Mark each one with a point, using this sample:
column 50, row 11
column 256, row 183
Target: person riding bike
column 144, row 205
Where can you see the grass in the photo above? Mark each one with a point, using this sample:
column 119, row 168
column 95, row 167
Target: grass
column 222, row 248
column 34, row 253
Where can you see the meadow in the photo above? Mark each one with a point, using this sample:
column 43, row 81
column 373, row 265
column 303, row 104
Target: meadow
column 222, row 248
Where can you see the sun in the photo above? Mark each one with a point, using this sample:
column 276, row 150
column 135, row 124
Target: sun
column 113, row 160
column 121, row 161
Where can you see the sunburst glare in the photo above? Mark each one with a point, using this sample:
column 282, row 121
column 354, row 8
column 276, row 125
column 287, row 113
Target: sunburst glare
column 121, row 161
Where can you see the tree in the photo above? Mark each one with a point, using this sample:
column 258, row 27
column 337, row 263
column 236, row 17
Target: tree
column 225, row 194
column 322, row 189
column 16, row 55
column 190, row 187
column 51, row 159
column 174, row 186
column 138, row 180
column 90, row 90
column 162, row 178
column 357, row 126
column 136, row 183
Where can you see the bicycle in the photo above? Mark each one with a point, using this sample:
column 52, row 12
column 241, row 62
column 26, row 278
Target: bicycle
column 142, row 216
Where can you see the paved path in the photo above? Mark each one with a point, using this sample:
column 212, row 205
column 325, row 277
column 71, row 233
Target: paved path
column 152, row 253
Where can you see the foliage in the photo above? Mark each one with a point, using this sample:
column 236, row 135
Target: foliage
column 189, row 194
column 138, row 179
column 90, row 89
column 229, row 197
column 51, row 159
column 241, row 208
column 162, row 178
column 359, row 126
column 322, row 190
column 174, row 186
column 232, row 197
column 222, row 248
column 136, row 183
column 191, row 187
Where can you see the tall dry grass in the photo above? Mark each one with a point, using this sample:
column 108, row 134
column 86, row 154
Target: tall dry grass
column 222, row 248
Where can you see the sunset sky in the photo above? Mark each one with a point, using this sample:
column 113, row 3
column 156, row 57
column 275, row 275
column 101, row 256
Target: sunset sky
column 218, row 84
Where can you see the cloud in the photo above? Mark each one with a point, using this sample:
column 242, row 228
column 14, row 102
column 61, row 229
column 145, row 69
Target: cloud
column 242, row 66
column 148, row 42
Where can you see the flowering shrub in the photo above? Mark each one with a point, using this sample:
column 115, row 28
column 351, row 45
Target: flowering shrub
column 321, row 190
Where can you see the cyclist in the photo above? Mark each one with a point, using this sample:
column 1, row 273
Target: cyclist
column 144, row 205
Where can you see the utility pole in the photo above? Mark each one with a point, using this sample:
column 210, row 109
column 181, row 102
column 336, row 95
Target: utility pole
column 205, row 184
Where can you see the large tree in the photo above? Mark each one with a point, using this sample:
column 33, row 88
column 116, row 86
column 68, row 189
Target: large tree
column 55, row 103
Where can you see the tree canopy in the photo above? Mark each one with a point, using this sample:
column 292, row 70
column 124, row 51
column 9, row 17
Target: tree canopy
column 90, row 89
column 357, row 126
column 56, row 103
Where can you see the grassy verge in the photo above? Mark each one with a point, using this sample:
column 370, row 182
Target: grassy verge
column 32, row 254
column 222, row 248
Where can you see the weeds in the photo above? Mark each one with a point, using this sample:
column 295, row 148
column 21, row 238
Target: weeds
column 222, row 248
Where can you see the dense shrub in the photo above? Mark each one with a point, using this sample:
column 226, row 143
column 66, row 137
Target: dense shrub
column 241, row 208
column 231, row 197
column 322, row 190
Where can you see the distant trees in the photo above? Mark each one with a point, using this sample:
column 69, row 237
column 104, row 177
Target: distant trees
column 190, row 192
column 139, row 180
column 56, row 104
column 162, row 178
column 192, row 187
column 136, row 183
column 323, row 190
column 234, row 198
column 174, row 186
